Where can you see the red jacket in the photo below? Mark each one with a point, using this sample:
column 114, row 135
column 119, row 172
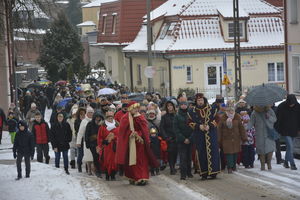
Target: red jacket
column 41, row 132
column 119, row 115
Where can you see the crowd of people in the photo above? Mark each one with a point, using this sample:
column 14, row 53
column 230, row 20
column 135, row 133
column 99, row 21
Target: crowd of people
column 138, row 139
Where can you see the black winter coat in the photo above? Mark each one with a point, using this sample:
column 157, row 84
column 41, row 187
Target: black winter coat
column 12, row 125
column 24, row 143
column 288, row 119
column 155, row 146
column 181, row 128
column 60, row 136
column 167, row 131
column 91, row 134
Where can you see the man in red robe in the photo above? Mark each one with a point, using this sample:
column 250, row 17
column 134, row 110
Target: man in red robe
column 133, row 146
column 121, row 113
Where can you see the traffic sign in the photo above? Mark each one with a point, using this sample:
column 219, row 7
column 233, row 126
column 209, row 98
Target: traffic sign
column 226, row 80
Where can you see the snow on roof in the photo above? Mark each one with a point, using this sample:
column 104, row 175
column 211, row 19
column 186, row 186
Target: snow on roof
column 205, row 35
column 169, row 8
column 96, row 3
column 86, row 23
column 203, row 32
column 211, row 7
column 31, row 31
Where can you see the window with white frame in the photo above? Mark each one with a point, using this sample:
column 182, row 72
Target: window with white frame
column 275, row 72
column 189, row 74
column 167, row 29
column 139, row 74
column 104, row 23
column 293, row 12
column 231, row 30
column 212, row 75
column 296, row 73
column 98, row 15
column 114, row 23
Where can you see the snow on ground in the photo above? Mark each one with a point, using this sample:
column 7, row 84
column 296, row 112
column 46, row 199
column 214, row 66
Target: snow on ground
column 47, row 182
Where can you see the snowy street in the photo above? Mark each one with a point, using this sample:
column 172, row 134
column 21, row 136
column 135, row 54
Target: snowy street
column 47, row 182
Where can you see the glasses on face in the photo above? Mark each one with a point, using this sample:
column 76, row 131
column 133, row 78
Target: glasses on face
column 124, row 97
column 143, row 111
column 109, row 117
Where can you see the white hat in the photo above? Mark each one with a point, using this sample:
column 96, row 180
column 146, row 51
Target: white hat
column 74, row 111
column 89, row 110
column 33, row 105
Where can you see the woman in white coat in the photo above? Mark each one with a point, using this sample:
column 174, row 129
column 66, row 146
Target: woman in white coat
column 87, row 155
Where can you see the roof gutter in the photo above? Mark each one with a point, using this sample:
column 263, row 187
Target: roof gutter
column 131, row 70
column 170, row 73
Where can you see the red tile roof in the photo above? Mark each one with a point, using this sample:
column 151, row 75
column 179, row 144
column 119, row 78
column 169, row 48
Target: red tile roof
column 277, row 3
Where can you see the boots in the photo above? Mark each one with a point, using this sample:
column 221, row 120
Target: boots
column 113, row 176
column 269, row 158
column 67, row 171
column 47, row 160
column 286, row 164
column 106, row 176
column 262, row 159
column 79, row 168
column 293, row 167
column 72, row 163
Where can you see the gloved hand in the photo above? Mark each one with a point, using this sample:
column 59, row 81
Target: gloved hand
column 15, row 155
column 31, row 157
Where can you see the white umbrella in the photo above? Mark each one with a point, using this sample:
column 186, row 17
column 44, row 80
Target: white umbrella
column 106, row 91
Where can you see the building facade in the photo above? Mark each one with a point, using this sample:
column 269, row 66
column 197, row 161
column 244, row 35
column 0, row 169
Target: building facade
column 292, row 45
column 119, row 23
column 191, row 39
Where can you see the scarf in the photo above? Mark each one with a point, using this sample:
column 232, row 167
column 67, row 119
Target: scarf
column 110, row 125
column 229, row 119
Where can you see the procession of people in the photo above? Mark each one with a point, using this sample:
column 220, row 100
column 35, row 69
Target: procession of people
column 111, row 135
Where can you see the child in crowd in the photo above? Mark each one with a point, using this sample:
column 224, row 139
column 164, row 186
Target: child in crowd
column 12, row 123
column 23, row 147
column 41, row 131
column 248, row 152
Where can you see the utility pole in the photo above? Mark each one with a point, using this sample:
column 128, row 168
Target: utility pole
column 149, row 43
column 237, row 52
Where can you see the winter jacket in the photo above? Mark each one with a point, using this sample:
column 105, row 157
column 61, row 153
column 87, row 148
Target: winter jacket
column 41, row 132
column 166, row 127
column 43, row 102
column 91, row 131
column 82, row 129
column 155, row 145
column 24, row 143
column 258, row 119
column 230, row 139
column 288, row 118
column 180, row 126
column 12, row 125
column 60, row 136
